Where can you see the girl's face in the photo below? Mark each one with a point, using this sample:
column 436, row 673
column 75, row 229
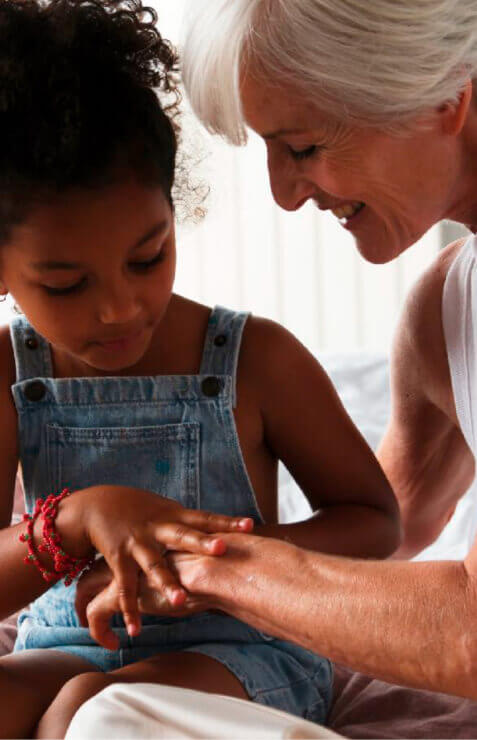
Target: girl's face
column 93, row 272
column 386, row 190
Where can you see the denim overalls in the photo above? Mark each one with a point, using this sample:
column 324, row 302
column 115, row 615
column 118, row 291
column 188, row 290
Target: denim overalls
column 174, row 435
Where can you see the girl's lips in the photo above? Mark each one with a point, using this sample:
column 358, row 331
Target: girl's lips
column 121, row 343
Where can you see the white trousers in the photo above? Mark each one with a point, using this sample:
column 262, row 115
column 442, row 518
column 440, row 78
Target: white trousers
column 143, row 710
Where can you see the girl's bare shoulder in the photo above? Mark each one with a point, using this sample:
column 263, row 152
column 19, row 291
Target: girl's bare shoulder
column 7, row 360
column 8, row 427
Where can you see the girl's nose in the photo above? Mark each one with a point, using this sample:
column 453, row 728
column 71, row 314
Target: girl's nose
column 119, row 305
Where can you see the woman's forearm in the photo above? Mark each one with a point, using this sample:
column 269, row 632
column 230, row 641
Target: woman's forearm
column 354, row 531
column 409, row 623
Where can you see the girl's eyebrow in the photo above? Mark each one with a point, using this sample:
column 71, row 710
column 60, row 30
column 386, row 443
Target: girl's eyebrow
column 60, row 265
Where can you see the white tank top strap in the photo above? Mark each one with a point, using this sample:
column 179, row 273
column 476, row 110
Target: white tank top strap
column 459, row 316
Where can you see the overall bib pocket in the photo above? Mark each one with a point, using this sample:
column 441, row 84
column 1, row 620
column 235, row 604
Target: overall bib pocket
column 157, row 458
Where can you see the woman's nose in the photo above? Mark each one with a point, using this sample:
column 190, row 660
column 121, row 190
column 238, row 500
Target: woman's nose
column 289, row 190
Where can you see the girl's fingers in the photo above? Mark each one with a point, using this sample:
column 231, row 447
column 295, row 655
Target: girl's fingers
column 206, row 521
column 89, row 585
column 178, row 536
column 126, row 574
column 99, row 613
column 157, row 572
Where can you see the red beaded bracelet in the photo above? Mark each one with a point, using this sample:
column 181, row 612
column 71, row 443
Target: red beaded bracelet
column 64, row 564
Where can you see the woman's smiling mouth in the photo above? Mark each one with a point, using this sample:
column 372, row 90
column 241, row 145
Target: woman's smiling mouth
column 347, row 212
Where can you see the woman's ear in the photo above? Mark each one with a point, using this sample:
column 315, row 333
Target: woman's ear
column 453, row 115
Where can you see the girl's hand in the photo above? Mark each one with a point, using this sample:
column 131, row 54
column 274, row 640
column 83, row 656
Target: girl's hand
column 134, row 528
column 89, row 586
column 97, row 599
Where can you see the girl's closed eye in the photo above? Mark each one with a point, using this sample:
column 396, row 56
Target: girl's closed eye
column 148, row 264
column 67, row 290
column 142, row 266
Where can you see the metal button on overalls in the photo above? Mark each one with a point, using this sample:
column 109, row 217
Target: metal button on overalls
column 35, row 390
column 31, row 343
column 211, row 387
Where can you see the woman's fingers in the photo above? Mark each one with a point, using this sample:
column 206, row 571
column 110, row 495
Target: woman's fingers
column 99, row 613
column 157, row 572
column 206, row 521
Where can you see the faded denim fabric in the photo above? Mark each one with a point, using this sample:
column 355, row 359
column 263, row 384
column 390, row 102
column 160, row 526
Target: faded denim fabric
column 176, row 436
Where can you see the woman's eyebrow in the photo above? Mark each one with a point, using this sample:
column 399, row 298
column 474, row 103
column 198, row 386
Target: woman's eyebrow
column 285, row 132
column 61, row 265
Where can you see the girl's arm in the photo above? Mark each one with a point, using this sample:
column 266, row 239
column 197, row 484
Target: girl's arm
column 19, row 583
column 306, row 426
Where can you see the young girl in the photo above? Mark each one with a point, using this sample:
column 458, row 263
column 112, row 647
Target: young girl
column 153, row 409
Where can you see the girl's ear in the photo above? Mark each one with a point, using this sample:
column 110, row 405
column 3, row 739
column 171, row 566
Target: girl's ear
column 3, row 291
column 453, row 115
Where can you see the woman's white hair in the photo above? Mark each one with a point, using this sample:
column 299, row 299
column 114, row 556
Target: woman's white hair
column 376, row 62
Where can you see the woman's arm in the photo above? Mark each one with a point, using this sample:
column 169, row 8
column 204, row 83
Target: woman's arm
column 406, row 623
column 306, row 426
column 424, row 453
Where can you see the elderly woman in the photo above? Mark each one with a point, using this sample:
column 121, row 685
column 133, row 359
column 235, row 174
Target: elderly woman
column 369, row 110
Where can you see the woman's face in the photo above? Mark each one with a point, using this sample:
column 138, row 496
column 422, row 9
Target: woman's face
column 387, row 190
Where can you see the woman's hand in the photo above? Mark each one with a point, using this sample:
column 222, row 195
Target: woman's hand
column 97, row 599
column 133, row 529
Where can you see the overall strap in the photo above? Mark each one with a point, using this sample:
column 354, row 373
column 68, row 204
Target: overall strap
column 31, row 351
column 222, row 345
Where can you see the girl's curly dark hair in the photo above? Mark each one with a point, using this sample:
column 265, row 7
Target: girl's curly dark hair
column 81, row 84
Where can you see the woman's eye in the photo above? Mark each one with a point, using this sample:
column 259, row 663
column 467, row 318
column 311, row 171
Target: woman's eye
column 65, row 291
column 142, row 266
column 303, row 153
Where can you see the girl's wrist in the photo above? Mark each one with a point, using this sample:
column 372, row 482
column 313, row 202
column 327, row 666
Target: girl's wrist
column 70, row 526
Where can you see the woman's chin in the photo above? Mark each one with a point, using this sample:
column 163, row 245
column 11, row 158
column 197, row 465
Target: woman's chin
column 378, row 250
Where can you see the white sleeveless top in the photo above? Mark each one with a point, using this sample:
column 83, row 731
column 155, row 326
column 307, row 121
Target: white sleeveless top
column 459, row 317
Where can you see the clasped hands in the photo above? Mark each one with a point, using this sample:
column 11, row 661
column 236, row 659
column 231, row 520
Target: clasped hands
column 140, row 534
